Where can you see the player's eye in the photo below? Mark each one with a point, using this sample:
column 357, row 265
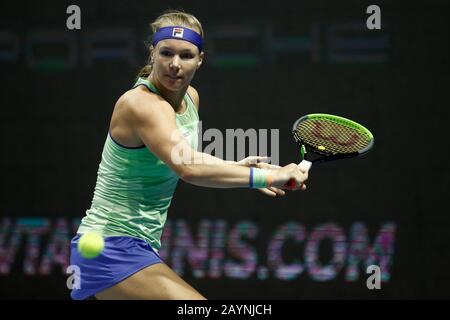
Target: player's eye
column 187, row 55
column 166, row 53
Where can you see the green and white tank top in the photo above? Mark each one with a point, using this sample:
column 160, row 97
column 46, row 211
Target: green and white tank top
column 134, row 188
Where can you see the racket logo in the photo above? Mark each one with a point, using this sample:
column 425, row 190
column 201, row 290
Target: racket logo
column 317, row 132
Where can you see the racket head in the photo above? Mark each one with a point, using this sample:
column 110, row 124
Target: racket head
column 332, row 137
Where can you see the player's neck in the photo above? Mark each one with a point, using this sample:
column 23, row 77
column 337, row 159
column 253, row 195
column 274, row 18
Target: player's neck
column 174, row 98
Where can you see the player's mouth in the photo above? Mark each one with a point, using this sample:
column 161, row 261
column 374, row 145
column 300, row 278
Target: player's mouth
column 174, row 77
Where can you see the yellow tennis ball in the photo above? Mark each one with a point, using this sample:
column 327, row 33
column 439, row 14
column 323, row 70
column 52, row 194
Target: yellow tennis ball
column 90, row 245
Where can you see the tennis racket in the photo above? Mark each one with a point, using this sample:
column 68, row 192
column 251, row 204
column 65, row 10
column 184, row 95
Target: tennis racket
column 325, row 137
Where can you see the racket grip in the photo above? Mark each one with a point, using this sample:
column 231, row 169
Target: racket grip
column 291, row 184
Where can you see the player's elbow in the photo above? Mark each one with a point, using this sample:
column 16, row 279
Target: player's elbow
column 187, row 173
column 184, row 162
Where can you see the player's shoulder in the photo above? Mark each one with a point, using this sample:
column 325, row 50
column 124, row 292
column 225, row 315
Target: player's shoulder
column 137, row 97
column 193, row 93
column 139, row 103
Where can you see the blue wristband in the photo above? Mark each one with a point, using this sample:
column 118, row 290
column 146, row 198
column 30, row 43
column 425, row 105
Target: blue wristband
column 258, row 178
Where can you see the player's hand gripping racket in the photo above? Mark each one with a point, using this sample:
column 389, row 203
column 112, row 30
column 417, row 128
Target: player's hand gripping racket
column 326, row 137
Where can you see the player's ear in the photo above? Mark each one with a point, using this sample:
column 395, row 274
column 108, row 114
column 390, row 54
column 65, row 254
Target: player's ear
column 200, row 61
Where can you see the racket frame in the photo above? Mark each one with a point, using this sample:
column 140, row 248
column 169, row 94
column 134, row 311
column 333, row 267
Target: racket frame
column 304, row 147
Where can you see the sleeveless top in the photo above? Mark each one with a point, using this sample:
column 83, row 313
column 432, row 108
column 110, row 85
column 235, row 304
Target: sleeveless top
column 134, row 188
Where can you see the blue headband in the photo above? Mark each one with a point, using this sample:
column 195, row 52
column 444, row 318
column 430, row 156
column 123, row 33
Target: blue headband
column 179, row 33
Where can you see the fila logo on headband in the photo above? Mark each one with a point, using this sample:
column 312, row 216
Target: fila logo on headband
column 178, row 32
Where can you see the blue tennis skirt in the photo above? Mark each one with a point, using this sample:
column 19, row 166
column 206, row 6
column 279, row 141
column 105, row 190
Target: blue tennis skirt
column 121, row 257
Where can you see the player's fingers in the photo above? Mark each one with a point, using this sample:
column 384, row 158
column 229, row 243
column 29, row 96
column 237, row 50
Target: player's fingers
column 277, row 191
column 259, row 159
column 268, row 192
column 253, row 160
column 300, row 178
column 256, row 159
column 263, row 165
column 303, row 175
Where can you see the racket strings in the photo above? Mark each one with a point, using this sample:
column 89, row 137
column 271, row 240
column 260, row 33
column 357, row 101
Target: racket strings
column 329, row 137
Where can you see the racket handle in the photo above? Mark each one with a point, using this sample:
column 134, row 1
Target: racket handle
column 291, row 184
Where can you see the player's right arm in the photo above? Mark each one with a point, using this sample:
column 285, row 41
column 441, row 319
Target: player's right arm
column 154, row 122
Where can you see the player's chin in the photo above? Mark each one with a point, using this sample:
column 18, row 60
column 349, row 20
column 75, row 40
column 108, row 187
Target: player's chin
column 174, row 84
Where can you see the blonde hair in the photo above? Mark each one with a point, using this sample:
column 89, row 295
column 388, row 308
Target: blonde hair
column 167, row 19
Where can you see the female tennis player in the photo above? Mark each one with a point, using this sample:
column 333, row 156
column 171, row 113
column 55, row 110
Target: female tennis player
column 150, row 145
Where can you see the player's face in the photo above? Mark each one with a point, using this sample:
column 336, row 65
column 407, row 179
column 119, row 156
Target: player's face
column 175, row 63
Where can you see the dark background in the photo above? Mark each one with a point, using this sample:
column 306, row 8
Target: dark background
column 55, row 119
